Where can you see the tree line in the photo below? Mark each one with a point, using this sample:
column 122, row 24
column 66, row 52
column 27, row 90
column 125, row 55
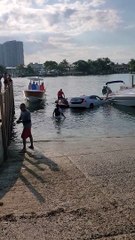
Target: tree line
column 80, row 67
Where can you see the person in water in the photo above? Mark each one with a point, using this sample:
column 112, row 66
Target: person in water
column 57, row 113
column 25, row 118
column 60, row 94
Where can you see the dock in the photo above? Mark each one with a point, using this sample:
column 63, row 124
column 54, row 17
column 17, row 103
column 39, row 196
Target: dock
column 7, row 111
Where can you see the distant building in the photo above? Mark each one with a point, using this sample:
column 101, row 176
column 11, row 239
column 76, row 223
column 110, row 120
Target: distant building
column 1, row 55
column 121, row 68
column 11, row 54
column 38, row 68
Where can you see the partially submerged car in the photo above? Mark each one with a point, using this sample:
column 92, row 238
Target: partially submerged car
column 86, row 101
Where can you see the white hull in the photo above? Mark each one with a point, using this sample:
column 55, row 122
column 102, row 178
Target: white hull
column 34, row 95
column 123, row 97
column 34, row 99
column 124, row 101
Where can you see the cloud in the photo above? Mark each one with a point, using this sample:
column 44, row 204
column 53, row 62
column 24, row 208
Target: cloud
column 72, row 16
column 55, row 22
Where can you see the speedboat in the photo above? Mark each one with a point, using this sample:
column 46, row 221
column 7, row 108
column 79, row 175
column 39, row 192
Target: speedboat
column 36, row 90
column 124, row 96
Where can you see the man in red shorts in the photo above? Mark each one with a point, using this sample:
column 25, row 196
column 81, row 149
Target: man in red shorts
column 25, row 118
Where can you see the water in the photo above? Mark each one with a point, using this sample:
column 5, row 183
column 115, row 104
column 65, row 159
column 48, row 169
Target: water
column 104, row 121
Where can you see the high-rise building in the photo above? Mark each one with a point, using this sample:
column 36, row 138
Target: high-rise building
column 1, row 55
column 11, row 54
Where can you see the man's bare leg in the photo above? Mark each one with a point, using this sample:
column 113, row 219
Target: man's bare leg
column 31, row 142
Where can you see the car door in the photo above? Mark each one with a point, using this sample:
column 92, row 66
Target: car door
column 94, row 100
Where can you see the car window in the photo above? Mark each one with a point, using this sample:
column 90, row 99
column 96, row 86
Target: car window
column 95, row 97
column 98, row 98
column 75, row 99
column 92, row 97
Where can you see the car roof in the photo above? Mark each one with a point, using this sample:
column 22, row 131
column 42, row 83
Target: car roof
column 78, row 97
column 85, row 96
column 90, row 96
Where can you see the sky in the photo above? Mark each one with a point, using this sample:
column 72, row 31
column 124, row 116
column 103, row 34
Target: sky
column 70, row 29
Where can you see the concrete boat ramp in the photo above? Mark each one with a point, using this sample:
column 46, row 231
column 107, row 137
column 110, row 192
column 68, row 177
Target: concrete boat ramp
column 69, row 189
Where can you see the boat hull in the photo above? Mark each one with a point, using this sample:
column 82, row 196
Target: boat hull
column 125, row 96
column 34, row 95
column 123, row 100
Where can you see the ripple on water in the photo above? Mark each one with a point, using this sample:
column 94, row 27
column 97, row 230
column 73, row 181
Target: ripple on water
column 105, row 121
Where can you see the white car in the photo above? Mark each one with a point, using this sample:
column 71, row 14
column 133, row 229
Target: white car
column 86, row 101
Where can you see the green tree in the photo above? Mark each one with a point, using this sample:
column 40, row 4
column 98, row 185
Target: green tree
column 51, row 65
column 132, row 65
column 30, row 71
column 63, row 66
column 81, row 66
column 2, row 69
column 91, row 67
column 21, row 70
column 103, row 65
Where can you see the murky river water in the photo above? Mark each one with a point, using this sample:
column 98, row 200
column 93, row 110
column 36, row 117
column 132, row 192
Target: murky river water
column 105, row 121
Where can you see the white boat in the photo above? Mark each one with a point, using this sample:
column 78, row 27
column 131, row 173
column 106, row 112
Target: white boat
column 124, row 96
column 36, row 90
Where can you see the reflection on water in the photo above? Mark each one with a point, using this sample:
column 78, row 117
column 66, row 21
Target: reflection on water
column 83, row 111
column 58, row 122
column 106, row 120
column 79, row 111
column 125, row 109
column 34, row 106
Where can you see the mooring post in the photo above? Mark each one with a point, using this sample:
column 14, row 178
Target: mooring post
column 133, row 81
column 6, row 116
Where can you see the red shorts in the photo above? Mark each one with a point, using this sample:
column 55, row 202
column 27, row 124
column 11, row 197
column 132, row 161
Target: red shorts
column 26, row 133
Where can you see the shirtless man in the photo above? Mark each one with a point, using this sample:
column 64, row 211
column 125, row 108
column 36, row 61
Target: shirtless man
column 25, row 118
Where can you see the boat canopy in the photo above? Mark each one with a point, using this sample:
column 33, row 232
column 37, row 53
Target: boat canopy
column 116, row 81
column 35, row 79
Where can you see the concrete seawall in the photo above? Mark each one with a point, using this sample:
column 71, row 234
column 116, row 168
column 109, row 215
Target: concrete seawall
column 1, row 146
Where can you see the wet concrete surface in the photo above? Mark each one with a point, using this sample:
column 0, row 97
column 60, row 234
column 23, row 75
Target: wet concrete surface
column 69, row 189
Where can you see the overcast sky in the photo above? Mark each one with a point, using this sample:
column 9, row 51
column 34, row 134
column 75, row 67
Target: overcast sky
column 70, row 29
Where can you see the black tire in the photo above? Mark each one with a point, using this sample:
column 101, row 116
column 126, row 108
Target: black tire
column 91, row 105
